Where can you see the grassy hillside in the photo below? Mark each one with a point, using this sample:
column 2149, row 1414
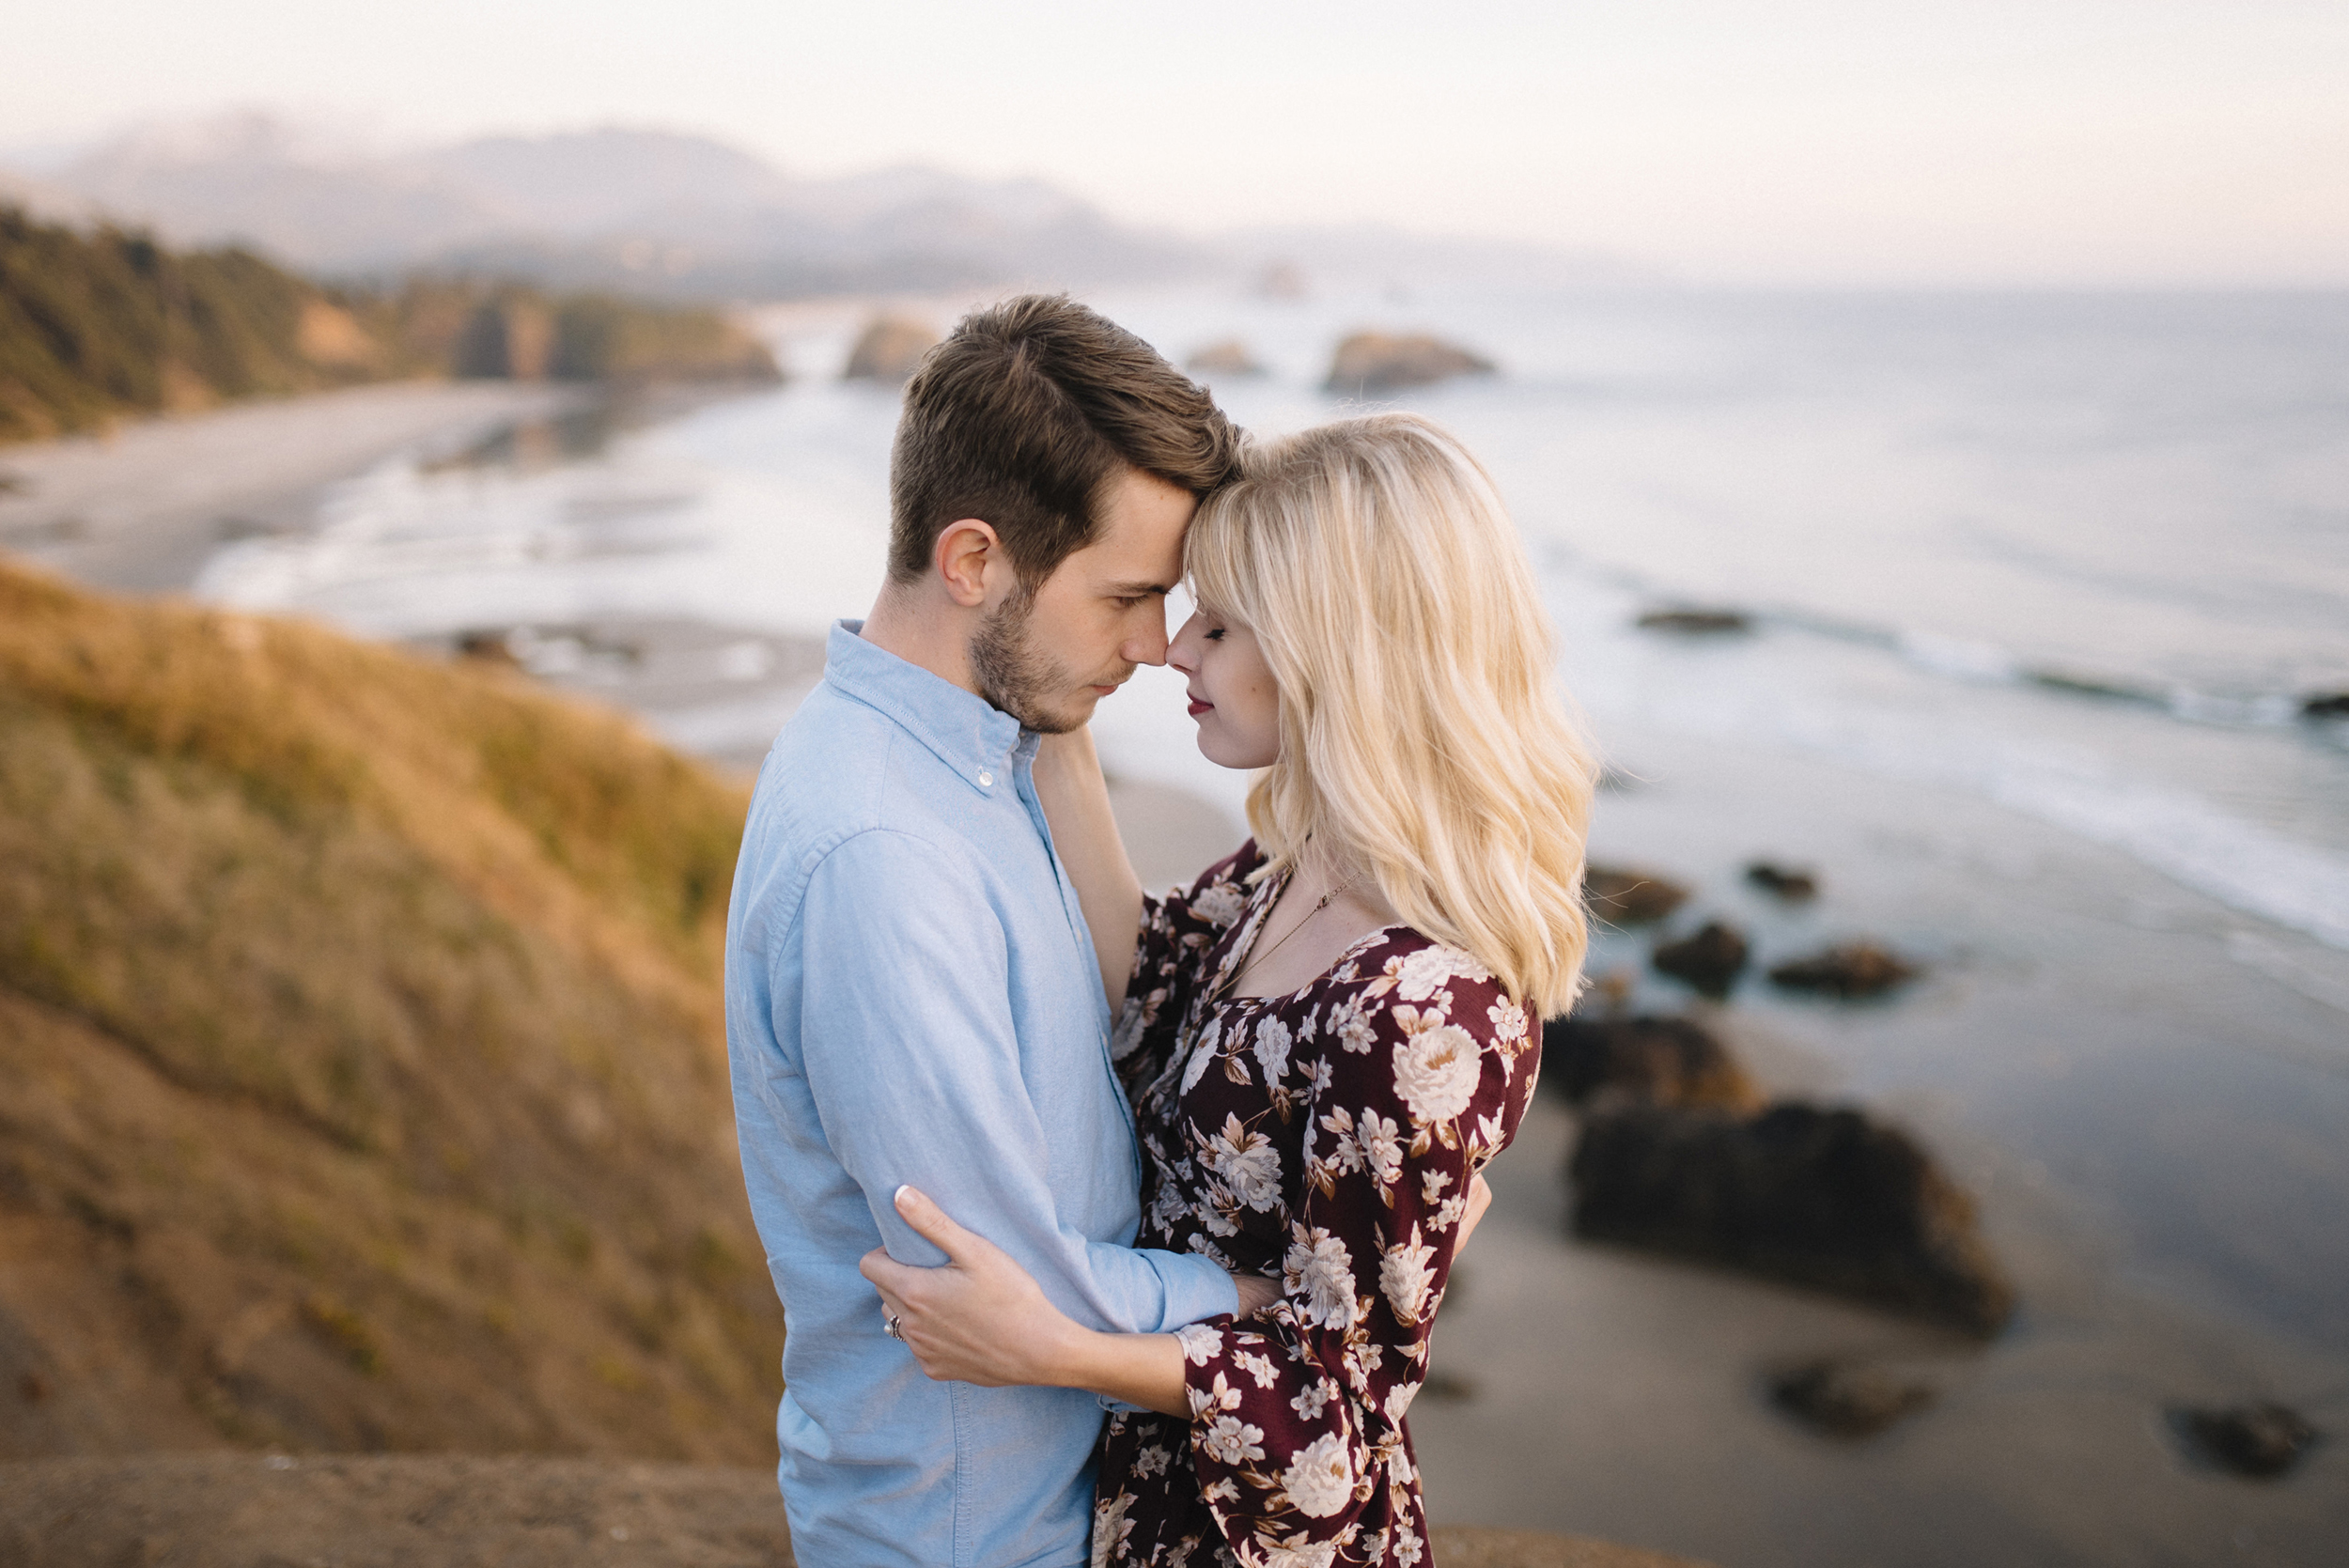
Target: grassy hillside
column 96, row 326
column 362, row 1074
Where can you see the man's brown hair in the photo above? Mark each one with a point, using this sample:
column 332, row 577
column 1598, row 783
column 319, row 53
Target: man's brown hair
column 1023, row 415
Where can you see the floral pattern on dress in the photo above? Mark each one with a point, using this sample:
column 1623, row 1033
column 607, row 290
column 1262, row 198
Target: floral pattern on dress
column 1328, row 1138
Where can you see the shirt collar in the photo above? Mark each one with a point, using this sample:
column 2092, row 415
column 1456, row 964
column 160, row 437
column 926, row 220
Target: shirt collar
column 976, row 740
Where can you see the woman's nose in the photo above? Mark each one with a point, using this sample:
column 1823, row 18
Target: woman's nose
column 1182, row 652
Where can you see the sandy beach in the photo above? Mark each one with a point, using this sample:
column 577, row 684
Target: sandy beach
column 140, row 509
column 2069, row 1017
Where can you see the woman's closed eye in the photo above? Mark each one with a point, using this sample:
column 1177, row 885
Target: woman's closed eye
column 1214, row 634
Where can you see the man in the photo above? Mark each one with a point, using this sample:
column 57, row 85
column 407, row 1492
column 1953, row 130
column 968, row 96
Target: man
column 911, row 990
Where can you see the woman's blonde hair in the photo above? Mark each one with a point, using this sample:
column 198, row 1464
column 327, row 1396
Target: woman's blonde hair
column 1421, row 732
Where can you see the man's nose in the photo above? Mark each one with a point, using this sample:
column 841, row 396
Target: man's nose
column 1147, row 645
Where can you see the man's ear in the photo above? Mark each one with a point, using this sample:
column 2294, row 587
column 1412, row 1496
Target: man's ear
column 965, row 548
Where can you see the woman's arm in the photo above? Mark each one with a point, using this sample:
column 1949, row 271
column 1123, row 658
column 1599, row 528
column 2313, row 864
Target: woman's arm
column 1076, row 802
column 979, row 1318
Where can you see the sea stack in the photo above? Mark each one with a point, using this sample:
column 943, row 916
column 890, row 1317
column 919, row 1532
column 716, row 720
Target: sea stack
column 888, row 349
column 1370, row 363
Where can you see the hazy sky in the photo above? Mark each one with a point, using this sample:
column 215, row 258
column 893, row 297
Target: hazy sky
column 1976, row 141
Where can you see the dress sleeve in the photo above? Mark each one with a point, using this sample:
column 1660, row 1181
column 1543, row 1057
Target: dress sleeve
column 1423, row 1071
column 1179, row 928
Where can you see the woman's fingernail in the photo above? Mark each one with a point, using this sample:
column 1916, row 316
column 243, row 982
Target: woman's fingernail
column 904, row 1197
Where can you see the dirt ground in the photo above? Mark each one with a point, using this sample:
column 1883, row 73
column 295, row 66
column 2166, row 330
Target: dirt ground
column 247, row 1510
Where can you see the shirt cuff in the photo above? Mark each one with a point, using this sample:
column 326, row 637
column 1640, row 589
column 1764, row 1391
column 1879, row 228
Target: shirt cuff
column 1196, row 1290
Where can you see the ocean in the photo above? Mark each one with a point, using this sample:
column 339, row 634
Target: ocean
column 2037, row 587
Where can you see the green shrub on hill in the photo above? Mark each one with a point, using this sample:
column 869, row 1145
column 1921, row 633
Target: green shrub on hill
column 362, row 1066
column 96, row 326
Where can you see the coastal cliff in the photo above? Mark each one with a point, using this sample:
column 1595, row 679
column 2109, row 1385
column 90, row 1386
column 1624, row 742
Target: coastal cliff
column 100, row 325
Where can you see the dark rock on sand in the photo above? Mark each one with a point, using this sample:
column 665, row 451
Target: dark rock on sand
column 2326, row 705
column 1846, row 1399
column 1447, row 1387
column 1622, row 897
column 1817, row 1197
column 2259, row 1440
column 1852, row 970
column 1368, row 362
column 1710, row 960
column 487, row 647
column 1648, row 1058
column 1795, row 887
column 1229, row 357
column 888, row 349
column 1696, row 622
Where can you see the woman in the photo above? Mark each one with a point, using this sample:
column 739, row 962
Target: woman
column 1328, row 1034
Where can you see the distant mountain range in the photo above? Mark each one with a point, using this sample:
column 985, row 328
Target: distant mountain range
column 669, row 214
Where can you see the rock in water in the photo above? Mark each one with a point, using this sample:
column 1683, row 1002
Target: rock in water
column 2261, row 1440
column 1647, row 1057
column 1696, row 622
column 1711, row 960
column 888, row 349
column 1229, row 357
column 1795, row 887
column 1370, row 363
column 1844, row 1399
column 2326, row 705
column 1622, row 896
column 1852, row 970
column 1812, row 1196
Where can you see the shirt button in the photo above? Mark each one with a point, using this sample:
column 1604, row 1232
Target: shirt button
column 986, row 777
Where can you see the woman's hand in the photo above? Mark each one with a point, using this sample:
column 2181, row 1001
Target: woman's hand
column 980, row 1318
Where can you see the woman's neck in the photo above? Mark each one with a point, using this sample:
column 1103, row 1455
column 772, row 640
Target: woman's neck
column 1352, row 885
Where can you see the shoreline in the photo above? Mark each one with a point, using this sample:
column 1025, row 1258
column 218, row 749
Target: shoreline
column 139, row 509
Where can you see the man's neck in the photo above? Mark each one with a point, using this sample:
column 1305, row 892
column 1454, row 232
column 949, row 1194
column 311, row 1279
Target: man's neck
column 923, row 628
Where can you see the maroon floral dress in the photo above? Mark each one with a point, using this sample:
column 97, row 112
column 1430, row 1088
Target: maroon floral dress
column 1327, row 1136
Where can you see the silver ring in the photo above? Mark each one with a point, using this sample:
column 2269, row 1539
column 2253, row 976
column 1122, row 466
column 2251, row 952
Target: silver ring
column 893, row 1326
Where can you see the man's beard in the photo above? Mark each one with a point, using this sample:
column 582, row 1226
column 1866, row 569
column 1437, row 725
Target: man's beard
column 1012, row 674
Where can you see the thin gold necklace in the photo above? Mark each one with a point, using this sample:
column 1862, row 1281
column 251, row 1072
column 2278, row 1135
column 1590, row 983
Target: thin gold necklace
column 1254, row 958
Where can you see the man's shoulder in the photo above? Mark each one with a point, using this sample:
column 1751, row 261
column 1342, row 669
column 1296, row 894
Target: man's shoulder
column 843, row 773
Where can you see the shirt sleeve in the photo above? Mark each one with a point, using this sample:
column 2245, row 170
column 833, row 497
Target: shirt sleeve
column 912, row 1063
column 1179, row 928
column 1297, row 1420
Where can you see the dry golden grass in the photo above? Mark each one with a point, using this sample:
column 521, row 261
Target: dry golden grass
column 361, row 1071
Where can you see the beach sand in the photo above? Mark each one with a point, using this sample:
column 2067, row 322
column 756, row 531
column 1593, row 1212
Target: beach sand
column 2072, row 1045
column 141, row 508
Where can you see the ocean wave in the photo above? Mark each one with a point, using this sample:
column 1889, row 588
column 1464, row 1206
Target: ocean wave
column 2194, row 843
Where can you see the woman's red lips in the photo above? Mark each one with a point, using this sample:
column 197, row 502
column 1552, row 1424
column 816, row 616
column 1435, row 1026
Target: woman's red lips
column 1197, row 707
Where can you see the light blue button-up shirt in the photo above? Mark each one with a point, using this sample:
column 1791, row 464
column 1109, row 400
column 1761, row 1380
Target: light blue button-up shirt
column 912, row 996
